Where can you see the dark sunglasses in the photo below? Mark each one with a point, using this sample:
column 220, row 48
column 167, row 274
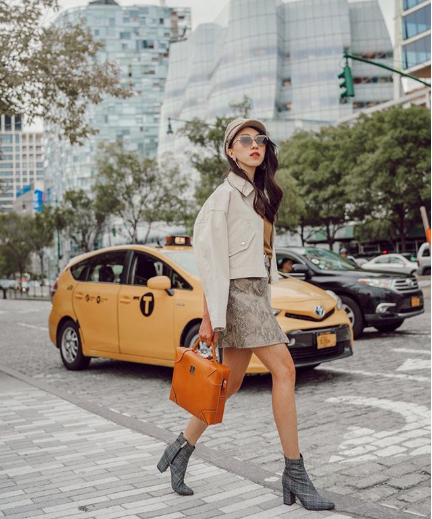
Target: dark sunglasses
column 246, row 141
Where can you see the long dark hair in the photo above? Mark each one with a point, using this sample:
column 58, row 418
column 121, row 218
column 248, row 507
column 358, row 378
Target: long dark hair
column 268, row 195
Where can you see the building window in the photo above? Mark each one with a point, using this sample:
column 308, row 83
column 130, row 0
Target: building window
column 286, row 82
column 375, row 79
column 417, row 22
column 407, row 4
column 417, row 52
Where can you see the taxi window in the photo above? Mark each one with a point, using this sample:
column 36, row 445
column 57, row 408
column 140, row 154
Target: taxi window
column 145, row 267
column 79, row 271
column 107, row 267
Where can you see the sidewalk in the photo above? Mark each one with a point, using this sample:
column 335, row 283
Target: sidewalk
column 58, row 460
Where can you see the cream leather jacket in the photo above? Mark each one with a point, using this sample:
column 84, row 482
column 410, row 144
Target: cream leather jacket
column 228, row 243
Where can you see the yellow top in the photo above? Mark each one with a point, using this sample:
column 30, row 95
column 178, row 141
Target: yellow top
column 268, row 230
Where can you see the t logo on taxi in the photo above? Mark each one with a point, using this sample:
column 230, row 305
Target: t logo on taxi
column 147, row 304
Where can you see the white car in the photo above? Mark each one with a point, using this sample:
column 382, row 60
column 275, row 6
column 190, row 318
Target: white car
column 424, row 259
column 399, row 263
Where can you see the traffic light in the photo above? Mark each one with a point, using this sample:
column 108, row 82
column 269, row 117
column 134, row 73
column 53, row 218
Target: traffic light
column 347, row 82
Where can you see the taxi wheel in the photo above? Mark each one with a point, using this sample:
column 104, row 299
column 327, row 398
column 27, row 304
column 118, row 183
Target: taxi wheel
column 192, row 337
column 354, row 314
column 70, row 347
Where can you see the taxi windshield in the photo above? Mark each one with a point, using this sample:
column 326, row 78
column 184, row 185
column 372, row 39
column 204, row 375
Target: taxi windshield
column 185, row 259
column 326, row 260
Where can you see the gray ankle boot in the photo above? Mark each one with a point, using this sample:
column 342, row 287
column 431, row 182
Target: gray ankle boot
column 296, row 482
column 176, row 456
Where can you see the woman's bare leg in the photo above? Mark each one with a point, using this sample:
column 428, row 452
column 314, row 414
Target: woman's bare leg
column 236, row 359
column 277, row 359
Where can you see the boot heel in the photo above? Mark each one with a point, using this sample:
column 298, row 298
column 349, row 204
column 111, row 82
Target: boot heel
column 163, row 464
column 288, row 497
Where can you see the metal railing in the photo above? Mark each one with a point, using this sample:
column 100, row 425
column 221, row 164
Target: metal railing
column 33, row 292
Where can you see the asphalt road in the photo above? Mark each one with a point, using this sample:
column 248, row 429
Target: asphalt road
column 364, row 422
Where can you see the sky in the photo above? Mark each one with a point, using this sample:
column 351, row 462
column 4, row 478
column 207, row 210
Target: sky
column 205, row 11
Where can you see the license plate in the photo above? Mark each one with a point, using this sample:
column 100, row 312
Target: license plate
column 415, row 301
column 326, row 340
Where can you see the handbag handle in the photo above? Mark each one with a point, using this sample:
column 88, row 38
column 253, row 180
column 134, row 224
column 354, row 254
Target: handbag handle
column 195, row 347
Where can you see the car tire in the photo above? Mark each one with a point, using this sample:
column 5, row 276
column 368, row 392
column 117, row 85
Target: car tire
column 390, row 327
column 71, row 348
column 191, row 338
column 355, row 315
column 427, row 271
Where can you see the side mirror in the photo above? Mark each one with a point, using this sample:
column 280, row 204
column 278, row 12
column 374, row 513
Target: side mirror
column 159, row 283
column 299, row 268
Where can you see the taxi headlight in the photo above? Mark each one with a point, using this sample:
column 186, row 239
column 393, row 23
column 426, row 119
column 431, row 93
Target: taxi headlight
column 376, row 282
column 335, row 296
column 276, row 311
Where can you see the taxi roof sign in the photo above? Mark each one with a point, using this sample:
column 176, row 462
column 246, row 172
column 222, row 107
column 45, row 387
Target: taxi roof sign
column 178, row 240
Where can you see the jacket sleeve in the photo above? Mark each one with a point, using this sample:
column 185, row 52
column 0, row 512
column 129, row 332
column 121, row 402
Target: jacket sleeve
column 210, row 246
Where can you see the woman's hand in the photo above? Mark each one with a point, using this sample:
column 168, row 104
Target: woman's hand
column 206, row 332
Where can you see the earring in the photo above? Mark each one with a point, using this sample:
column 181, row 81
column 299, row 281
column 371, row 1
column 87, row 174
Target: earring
column 238, row 165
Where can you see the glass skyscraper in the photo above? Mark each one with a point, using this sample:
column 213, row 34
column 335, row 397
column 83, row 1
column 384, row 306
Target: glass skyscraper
column 416, row 37
column 21, row 159
column 285, row 56
column 138, row 39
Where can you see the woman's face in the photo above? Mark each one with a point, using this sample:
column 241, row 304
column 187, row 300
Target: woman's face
column 251, row 155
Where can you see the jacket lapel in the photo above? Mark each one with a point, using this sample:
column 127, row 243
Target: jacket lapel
column 241, row 184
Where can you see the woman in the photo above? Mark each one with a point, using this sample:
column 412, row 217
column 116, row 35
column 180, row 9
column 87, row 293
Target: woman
column 234, row 249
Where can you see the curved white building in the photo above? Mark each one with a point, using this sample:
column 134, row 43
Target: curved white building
column 286, row 56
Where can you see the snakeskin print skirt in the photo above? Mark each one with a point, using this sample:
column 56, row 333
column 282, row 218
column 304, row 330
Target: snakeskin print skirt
column 250, row 321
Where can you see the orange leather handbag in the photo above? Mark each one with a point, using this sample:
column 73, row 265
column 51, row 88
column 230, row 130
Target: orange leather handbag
column 199, row 384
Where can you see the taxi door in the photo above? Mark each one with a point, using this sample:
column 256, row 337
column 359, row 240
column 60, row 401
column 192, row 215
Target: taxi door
column 146, row 316
column 95, row 302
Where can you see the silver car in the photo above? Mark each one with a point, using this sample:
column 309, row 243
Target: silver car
column 405, row 263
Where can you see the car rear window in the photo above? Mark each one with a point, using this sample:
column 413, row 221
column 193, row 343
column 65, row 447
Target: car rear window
column 79, row 271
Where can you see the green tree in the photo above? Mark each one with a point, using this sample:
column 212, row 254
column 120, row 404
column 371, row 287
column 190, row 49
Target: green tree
column 51, row 72
column 389, row 164
column 316, row 161
column 79, row 217
column 138, row 191
column 292, row 209
column 14, row 244
column 41, row 233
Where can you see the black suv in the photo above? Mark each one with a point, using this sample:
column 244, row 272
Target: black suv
column 379, row 299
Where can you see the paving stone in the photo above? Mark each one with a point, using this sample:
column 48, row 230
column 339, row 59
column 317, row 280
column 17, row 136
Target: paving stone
column 407, row 481
column 325, row 426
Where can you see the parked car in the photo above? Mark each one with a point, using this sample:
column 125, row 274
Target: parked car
column 424, row 260
column 7, row 283
column 405, row 263
column 381, row 300
column 138, row 303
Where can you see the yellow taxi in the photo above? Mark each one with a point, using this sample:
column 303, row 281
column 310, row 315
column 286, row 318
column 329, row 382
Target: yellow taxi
column 138, row 303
